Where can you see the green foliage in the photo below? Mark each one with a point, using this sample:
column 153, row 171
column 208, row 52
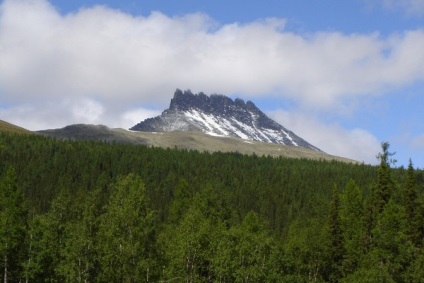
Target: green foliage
column 48, row 238
column 370, row 275
column 181, row 201
column 79, row 263
column 384, row 181
column 187, row 247
column 392, row 248
column 122, row 213
column 252, row 248
column 336, row 248
column 124, row 233
column 412, row 207
column 307, row 247
column 13, row 227
column 415, row 272
column 352, row 225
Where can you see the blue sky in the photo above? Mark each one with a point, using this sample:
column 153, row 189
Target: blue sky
column 344, row 75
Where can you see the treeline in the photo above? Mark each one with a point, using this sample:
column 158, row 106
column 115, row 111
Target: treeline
column 95, row 212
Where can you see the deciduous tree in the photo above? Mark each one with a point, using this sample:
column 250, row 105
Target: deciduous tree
column 124, row 234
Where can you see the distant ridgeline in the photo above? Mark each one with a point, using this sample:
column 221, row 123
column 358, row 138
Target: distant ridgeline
column 220, row 115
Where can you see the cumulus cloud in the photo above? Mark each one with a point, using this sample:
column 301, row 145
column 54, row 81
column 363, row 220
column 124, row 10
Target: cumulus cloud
column 122, row 58
column 357, row 144
column 56, row 114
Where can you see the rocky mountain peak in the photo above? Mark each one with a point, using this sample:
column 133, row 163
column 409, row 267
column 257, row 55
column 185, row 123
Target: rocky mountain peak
column 219, row 115
column 215, row 103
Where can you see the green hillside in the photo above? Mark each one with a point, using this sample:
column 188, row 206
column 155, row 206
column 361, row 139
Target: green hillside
column 100, row 212
column 10, row 128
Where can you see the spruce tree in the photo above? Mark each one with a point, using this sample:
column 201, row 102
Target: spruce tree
column 384, row 178
column 411, row 206
column 380, row 193
column 336, row 249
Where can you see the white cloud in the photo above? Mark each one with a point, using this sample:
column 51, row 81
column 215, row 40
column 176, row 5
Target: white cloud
column 135, row 116
column 410, row 7
column 357, row 144
column 57, row 114
column 38, row 116
column 103, row 52
column 88, row 110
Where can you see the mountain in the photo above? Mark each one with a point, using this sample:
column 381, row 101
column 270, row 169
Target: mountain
column 219, row 115
column 204, row 123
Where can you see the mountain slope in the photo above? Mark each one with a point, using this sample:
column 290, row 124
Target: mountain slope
column 220, row 116
column 193, row 140
column 94, row 133
column 10, row 128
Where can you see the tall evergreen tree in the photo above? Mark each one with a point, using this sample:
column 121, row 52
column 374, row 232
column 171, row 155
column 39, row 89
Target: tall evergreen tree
column 384, row 178
column 13, row 228
column 412, row 206
column 337, row 249
column 380, row 194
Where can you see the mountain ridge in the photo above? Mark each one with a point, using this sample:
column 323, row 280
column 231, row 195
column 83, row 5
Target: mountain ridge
column 220, row 115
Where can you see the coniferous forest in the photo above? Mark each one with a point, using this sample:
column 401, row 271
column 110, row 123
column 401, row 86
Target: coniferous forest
column 82, row 211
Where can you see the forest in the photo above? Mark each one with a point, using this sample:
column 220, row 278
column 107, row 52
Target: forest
column 84, row 211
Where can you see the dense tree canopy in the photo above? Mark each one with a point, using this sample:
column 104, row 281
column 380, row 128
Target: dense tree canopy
column 95, row 212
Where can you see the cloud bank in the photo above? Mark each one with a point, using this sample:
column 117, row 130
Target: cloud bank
column 102, row 52
column 99, row 65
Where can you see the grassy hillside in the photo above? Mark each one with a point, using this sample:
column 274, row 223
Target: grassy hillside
column 188, row 140
column 8, row 127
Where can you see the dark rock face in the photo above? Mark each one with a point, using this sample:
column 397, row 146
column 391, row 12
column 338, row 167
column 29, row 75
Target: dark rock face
column 220, row 115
